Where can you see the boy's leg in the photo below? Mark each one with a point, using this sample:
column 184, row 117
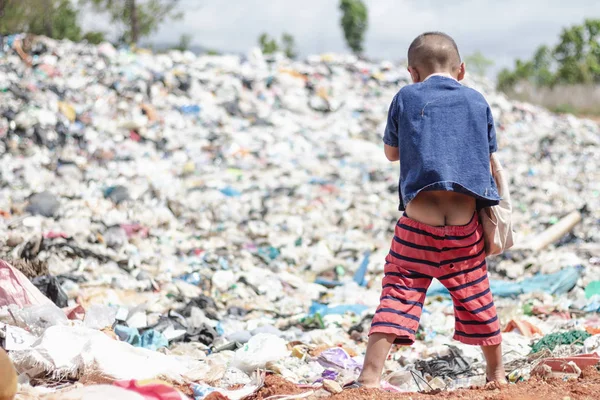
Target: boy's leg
column 377, row 352
column 494, row 366
column 396, row 319
column 476, row 318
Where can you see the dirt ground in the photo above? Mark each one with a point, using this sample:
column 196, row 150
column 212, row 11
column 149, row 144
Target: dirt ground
column 586, row 387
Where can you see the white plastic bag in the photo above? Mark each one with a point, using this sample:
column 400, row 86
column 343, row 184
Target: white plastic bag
column 260, row 350
column 497, row 220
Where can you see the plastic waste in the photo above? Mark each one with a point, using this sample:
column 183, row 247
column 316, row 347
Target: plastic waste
column 153, row 340
column 452, row 365
column 592, row 289
column 253, row 212
column 65, row 351
column 558, row 283
column 260, row 350
column 99, row 317
column 117, row 194
column 38, row 318
column 16, row 289
column 129, row 335
column 324, row 309
column 50, row 286
column 359, row 276
column 44, row 203
column 151, row 390
column 97, row 392
column 338, row 358
column 190, row 109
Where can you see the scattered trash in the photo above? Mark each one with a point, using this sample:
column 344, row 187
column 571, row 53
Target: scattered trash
column 50, row 286
column 196, row 218
column 260, row 350
column 525, row 328
column 151, row 390
column 16, row 289
column 44, row 203
column 332, row 386
column 453, row 365
column 559, row 338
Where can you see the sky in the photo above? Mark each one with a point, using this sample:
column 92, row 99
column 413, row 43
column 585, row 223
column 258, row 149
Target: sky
column 502, row 30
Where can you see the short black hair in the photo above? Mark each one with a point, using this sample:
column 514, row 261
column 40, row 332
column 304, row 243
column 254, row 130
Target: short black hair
column 433, row 51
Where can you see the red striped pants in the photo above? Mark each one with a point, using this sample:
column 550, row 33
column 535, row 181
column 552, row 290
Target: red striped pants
column 455, row 255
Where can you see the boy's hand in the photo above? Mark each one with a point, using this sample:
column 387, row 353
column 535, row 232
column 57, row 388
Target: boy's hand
column 391, row 152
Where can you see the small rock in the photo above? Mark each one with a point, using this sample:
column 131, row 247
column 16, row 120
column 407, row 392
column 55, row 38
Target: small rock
column 437, row 383
column 44, row 203
column 117, row 194
column 14, row 240
column 332, row 386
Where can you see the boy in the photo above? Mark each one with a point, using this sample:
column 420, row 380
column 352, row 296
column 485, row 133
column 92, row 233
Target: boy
column 443, row 135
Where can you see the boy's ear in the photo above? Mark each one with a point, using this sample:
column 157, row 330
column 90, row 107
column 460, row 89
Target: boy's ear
column 461, row 71
column 414, row 74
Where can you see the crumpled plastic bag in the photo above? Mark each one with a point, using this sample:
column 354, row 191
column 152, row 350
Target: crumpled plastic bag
column 96, row 392
column 50, row 285
column 151, row 390
column 90, row 355
column 16, row 289
column 260, row 350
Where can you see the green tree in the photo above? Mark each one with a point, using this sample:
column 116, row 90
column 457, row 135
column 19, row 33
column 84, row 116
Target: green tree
column 578, row 53
column 354, row 23
column 184, row 43
column 289, row 45
column 54, row 18
column 575, row 59
column 94, row 37
column 138, row 18
column 13, row 16
column 267, row 44
column 478, row 63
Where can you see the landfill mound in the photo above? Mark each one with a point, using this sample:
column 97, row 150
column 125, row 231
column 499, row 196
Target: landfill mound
column 206, row 219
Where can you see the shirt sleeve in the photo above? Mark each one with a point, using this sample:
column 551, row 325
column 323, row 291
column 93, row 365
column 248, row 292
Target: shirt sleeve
column 491, row 132
column 390, row 136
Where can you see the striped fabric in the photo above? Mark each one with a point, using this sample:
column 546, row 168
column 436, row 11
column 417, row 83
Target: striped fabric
column 455, row 255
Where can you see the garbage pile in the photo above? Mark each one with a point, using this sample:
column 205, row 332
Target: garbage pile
column 204, row 219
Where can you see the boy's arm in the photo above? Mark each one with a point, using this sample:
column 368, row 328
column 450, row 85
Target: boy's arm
column 392, row 153
column 390, row 137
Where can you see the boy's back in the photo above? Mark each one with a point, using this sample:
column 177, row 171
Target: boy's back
column 445, row 135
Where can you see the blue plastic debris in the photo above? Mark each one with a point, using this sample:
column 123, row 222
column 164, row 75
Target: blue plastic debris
column 201, row 391
column 190, row 109
column 230, row 192
column 153, row 340
column 268, row 253
column 193, row 278
column 328, row 283
column 324, row 309
column 558, row 283
column 317, row 181
column 359, row 275
column 129, row 335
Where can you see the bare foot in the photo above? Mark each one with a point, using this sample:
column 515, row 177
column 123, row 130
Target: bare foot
column 495, row 380
column 493, row 385
column 368, row 384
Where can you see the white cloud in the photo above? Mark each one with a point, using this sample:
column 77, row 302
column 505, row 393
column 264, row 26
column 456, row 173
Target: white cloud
column 501, row 30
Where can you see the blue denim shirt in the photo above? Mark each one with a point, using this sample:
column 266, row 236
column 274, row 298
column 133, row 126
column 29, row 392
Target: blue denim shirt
column 445, row 134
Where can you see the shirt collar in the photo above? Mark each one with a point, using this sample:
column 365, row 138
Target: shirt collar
column 444, row 74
